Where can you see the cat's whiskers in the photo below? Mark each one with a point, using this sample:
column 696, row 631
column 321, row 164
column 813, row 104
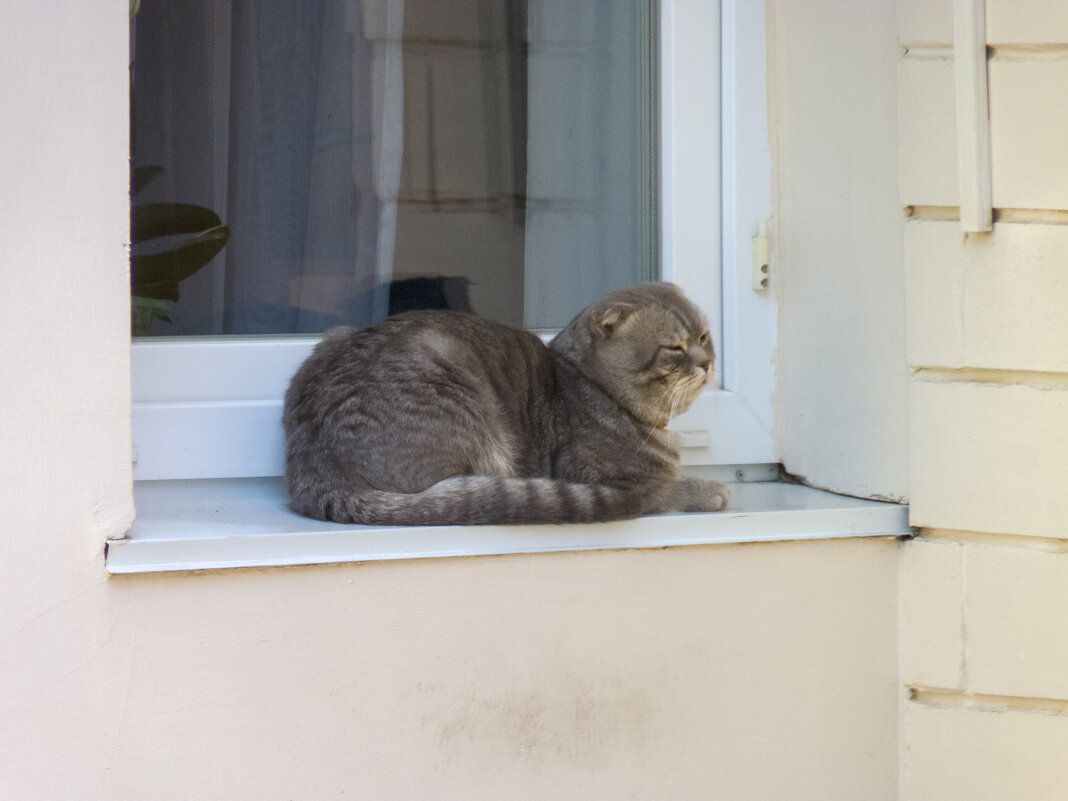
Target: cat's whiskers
column 667, row 409
column 676, row 400
column 671, row 399
column 670, row 393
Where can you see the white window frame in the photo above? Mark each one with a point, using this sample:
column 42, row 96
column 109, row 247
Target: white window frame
column 211, row 407
column 714, row 99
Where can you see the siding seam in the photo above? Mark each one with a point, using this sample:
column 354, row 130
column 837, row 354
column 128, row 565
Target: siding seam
column 941, row 698
column 1028, row 542
column 996, row 376
column 927, row 213
column 939, row 51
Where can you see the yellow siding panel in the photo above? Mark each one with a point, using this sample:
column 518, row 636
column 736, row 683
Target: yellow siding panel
column 989, row 457
column 1036, row 22
column 1029, row 118
column 1016, row 626
column 974, row 755
column 930, row 22
column 930, row 614
column 927, row 130
column 927, row 22
column 997, row 301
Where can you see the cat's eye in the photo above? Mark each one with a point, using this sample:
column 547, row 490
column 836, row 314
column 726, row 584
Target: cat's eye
column 703, row 340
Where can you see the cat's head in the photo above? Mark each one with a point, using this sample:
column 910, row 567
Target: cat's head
column 648, row 347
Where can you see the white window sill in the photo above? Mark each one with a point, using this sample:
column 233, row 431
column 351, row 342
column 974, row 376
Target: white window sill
column 227, row 523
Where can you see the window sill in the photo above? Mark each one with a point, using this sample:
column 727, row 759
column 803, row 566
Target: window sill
column 227, row 523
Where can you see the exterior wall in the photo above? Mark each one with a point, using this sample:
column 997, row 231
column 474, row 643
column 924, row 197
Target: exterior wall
column 65, row 474
column 746, row 672
column 840, row 379
column 740, row 672
column 984, row 647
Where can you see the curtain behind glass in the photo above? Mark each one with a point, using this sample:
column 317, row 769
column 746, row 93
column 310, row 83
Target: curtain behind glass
column 525, row 129
column 310, row 165
column 313, row 174
column 591, row 154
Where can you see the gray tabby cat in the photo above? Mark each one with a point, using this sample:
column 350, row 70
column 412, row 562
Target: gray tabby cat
column 436, row 417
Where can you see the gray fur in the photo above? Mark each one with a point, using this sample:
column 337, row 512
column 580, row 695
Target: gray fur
column 436, row 418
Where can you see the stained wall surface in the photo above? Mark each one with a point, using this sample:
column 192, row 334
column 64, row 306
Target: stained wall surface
column 747, row 672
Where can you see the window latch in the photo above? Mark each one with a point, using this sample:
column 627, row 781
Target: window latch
column 760, row 258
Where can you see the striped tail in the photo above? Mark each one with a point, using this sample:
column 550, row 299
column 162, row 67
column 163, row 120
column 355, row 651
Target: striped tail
column 475, row 500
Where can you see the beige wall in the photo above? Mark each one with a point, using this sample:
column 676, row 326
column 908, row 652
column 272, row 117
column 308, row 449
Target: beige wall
column 984, row 646
column 840, row 377
column 765, row 671
column 739, row 672
column 747, row 672
column 64, row 307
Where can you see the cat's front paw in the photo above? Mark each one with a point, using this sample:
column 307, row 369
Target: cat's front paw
column 697, row 495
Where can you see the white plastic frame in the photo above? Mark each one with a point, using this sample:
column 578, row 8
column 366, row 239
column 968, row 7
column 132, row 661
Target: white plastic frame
column 715, row 190
column 211, row 408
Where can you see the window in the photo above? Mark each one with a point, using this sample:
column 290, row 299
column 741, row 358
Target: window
column 585, row 187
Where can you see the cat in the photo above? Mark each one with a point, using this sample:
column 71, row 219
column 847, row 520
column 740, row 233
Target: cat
column 440, row 417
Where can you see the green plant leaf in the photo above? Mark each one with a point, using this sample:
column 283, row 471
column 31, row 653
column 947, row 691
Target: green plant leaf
column 144, row 312
column 150, row 220
column 156, row 274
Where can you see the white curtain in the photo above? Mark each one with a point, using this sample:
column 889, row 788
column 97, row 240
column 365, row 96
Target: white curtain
column 588, row 156
column 284, row 118
column 314, row 170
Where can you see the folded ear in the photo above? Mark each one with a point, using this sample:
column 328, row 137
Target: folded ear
column 604, row 321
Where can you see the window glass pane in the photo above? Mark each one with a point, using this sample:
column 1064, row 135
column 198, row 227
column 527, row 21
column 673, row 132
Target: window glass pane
column 304, row 165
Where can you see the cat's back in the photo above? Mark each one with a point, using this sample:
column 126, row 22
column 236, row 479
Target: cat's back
column 418, row 354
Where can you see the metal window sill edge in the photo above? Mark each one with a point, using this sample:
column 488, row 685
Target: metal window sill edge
column 210, row 524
